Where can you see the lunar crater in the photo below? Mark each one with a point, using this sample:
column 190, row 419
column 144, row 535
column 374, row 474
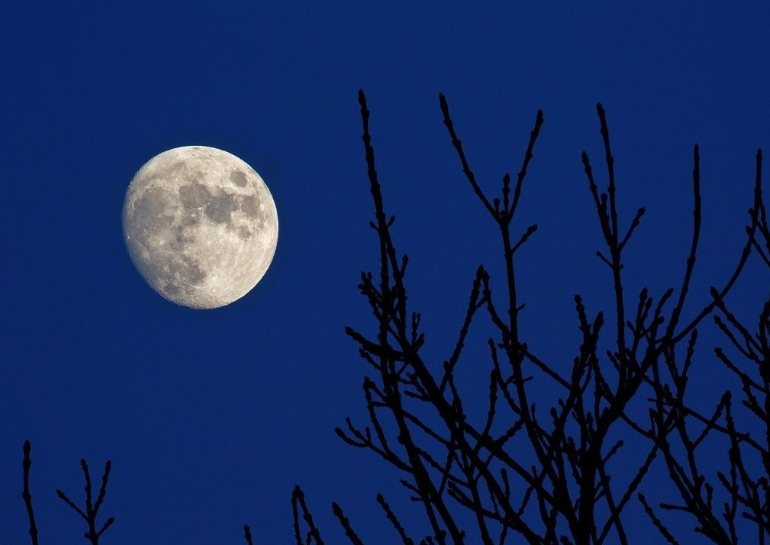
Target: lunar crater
column 238, row 178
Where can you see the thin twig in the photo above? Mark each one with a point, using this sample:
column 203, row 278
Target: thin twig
column 27, row 464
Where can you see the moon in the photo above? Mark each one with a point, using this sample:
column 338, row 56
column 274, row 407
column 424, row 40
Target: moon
column 200, row 225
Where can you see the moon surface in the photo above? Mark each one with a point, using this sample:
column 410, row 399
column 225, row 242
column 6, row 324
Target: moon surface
column 200, row 225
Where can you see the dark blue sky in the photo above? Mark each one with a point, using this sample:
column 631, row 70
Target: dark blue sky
column 211, row 417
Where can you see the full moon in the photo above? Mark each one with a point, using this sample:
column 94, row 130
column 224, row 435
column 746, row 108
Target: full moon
column 200, row 225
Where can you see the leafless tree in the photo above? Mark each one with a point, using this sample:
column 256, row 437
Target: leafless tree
column 547, row 477
column 745, row 486
column 88, row 513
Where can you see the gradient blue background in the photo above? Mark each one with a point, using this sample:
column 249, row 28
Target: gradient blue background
column 211, row 417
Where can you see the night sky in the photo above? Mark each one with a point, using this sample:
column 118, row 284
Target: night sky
column 211, row 417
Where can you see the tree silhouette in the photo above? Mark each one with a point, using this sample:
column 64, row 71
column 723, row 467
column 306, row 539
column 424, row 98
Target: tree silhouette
column 91, row 509
column 462, row 471
column 746, row 483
